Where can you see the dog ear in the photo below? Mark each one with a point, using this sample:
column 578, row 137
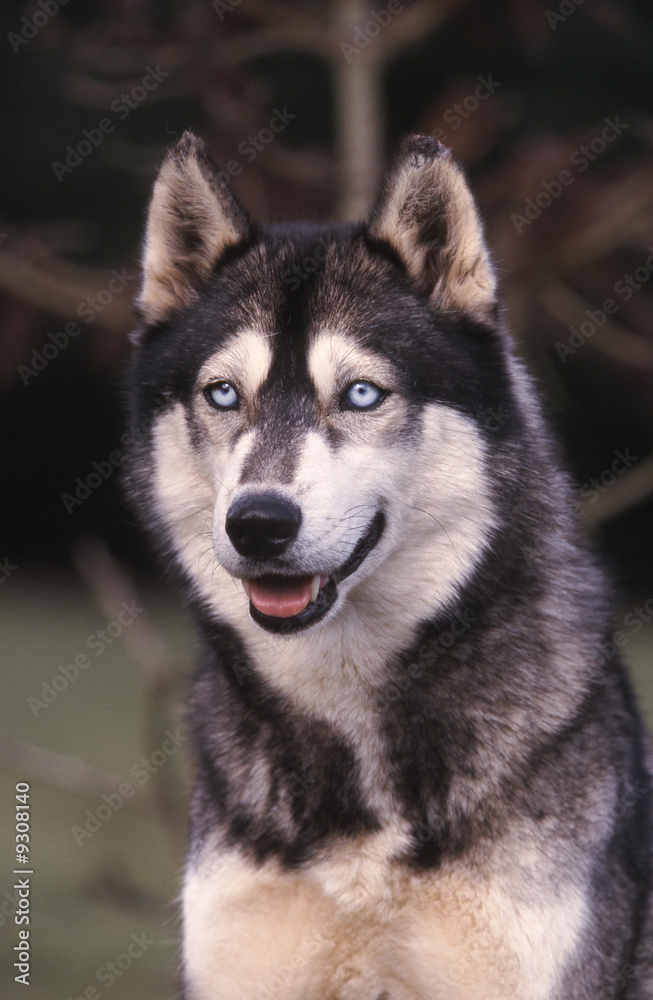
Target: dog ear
column 192, row 220
column 426, row 212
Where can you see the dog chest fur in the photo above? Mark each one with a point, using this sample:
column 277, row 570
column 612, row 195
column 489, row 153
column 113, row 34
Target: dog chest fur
column 355, row 925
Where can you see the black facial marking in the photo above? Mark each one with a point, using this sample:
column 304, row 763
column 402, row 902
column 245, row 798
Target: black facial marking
column 279, row 437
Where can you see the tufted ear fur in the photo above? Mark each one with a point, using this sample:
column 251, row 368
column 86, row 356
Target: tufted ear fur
column 192, row 220
column 426, row 212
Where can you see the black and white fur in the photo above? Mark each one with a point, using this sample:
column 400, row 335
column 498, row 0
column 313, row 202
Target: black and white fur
column 423, row 791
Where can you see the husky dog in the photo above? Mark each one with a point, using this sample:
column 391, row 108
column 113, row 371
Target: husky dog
column 421, row 774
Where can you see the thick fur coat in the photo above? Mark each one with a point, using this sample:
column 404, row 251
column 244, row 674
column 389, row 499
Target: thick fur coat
column 415, row 752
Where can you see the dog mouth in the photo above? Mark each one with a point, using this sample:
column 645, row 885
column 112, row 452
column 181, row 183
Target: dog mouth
column 285, row 604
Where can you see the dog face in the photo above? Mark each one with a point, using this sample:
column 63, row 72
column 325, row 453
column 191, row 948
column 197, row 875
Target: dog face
column 320, row 445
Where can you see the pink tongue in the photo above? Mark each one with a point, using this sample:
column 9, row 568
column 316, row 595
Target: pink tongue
column 280, row 598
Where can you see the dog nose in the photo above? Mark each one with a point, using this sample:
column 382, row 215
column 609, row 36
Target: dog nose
column 262, row 525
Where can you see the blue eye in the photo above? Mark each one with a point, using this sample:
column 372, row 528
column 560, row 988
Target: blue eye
column 222, row 395
column 362, row 396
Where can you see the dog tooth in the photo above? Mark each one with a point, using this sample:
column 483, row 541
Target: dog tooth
column 315, row 586
column 245, row 586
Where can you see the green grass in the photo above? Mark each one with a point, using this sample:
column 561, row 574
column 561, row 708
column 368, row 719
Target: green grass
column 87, row 901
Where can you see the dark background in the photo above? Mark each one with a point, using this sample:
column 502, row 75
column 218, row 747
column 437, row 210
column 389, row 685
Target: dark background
column 556, row 78
column 355, row 84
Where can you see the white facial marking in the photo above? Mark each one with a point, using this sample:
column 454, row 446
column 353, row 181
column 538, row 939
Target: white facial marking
column 185, row 493
column 334, row 361
column 245, row 359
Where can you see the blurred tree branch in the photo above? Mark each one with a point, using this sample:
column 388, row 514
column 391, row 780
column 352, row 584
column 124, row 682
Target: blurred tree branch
column 66, row 772
column 31, row 271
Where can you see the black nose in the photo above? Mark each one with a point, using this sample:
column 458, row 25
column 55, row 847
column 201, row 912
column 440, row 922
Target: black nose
column 262, row 525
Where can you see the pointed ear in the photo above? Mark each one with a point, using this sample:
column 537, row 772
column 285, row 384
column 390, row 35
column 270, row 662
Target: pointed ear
column 426, row 212
column 192, row 220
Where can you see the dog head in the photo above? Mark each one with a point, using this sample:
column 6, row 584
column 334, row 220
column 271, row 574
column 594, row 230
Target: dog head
column 309, row 401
